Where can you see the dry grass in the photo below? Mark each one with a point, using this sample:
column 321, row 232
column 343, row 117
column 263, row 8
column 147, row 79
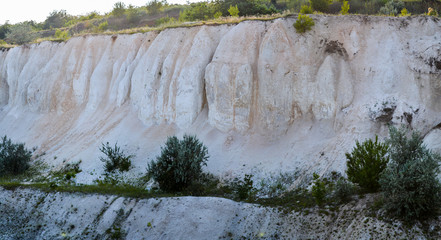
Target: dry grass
column 173, row 24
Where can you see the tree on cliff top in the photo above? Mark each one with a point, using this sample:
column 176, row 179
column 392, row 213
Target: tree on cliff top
column 20, row 34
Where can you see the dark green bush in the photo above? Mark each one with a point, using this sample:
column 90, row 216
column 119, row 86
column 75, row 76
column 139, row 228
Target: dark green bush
column 115, row 158
column 304, row 23
column 68, row 172
column 344, row 190
column 244, row 189
column 319, row 190
column 366, row 162
column 392, row 7
column 14, row 157
column 411, row 188
column 155, row 6
column 305, row 9
column 4, row 29
column 21, row 33
column 180, row 163
column 56, row 19
column 319, row 5
column 198, row 11
column 119, row 9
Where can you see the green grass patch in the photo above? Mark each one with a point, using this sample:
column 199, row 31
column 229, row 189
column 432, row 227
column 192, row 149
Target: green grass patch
column 105, row 189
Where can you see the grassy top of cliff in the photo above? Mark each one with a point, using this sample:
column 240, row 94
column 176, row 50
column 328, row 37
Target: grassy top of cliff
column 158, row 15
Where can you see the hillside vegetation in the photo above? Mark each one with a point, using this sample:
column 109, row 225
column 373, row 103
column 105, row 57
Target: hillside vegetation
column 157, row 15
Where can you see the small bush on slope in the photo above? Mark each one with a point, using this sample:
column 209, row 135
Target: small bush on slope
column 304, row 23
column 411, row 188
column 115, row 158
column 14, row 157
column 366, row 162
column 180, row 163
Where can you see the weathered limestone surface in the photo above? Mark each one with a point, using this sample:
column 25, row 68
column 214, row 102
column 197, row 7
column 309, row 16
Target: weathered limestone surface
column 260, row 96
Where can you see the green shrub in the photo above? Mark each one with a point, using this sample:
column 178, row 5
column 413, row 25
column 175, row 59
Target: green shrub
column 304, row 23
column 296, row 5
column 404, row 13
column 4, row 29
column 410, row 184
column 318, row 190
column 344, row 190
column 234, row 11
column 56, row 19
column 319, row 5
column 21, row 33
column 366, row 162
column 344, row 8
column 197, row 11
column 134, row 15
column 164, row 20
column 119, row 9
column 115, row 158
column 180, row 163
column 64, row 35
column 155, row 6
column 67, row 173
column 244, row 189
column 392, row 7
column 14, row 157
column 218, row 14
column 244, row 7
column 305, row 9
column 432, row 12
column 103, row 26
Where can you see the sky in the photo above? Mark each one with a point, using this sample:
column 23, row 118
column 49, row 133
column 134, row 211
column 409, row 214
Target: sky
column 25, row 10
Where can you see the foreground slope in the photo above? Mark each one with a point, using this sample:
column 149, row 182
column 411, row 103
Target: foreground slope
column 262, row 97
column 31, row 214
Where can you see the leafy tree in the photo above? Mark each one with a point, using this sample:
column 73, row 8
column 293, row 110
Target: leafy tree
column 64, row 35
column 305, row 9
column 119, row 9
column 218, row 14
column 4, row 29
column 304, row 23
column 366, row 162
column 296, row 5
column 410, row 184
column 155, row 6
column 319, row 5
column 56, row 19
column 180, row 163
column 134, row 14
column 245, row 7
column 392, row 7
column 234, row 11
column 14, row 157
column 21, row 33
column 344, row 8
column 198, row 11
column 116, row 159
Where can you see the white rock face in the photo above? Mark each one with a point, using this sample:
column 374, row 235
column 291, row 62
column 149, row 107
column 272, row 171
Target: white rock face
column 263, row 98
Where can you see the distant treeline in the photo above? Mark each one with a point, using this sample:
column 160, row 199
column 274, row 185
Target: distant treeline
column 60, row 25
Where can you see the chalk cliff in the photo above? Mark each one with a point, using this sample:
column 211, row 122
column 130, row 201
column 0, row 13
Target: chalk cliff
column 262, row 97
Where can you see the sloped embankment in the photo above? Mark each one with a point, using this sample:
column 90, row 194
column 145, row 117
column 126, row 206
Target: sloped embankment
column 31, row 214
